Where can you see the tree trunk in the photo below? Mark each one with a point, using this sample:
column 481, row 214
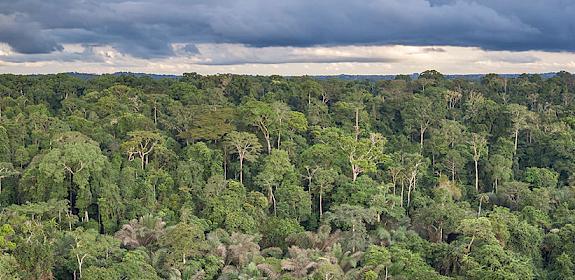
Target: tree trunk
column 279, row 139
column 516, row 137
column 470, row 243
column 274, row 201
column 80, row 263
column 476, row 177
column 402, row 188
column 441, row 234
column 356, row 124
column 353, row 235
column 241, row 170
column 479, row 210
column 225, row 164
column 453, row 170
column 269, row 145
column 421, row 136
column 408, row 194
column 355, row 170
column 155, row 114
column 320, row 204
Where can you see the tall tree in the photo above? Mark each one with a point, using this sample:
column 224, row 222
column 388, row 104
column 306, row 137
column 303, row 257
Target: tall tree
column 277, row 171
column 141, row 144
column 245, row 145
column 478, row 144
column 419, row 113
column 519, row 118
column 261, row 115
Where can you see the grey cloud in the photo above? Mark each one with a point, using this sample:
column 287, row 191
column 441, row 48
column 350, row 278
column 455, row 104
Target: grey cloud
column 294, row 59
column 237, row 54
column 87, row 55
column 25, row 36
column 515, row 59
column 191, row 49
column 148, row 28
column 434, row 50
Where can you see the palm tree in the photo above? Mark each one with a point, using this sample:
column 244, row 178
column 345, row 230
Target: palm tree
column 242, row 248
column 142, row 232
column 345, row 259
column 322, row 240
column 301, row 262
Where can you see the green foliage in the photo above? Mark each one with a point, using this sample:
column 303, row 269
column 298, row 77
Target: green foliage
column 541, row 177
column 126, row 177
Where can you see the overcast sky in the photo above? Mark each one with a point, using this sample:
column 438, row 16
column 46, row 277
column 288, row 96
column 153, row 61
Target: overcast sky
column 288, row 37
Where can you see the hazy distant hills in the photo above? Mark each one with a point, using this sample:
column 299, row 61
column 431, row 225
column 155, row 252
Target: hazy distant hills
column 415, row 75
column 320, row 77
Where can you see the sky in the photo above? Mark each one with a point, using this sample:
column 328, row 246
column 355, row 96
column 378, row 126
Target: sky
column 288, row 37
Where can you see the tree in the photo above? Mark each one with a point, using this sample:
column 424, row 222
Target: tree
column 134, row 265
column 183, row 240
column 141, row 144
column 245, row 145
column 377, row 258
column 301, row 262
column 477, row 229
column 315, row 158
column 325, row 178
column 6, row 236
column 410, row 265
column 563, row 268
column 281, row 113
column 88, row 245
column 478, row 145
column 353, row 219
column 363, row 155
column 540, row 177
column 419, row 113
column 448, row 147
column 277, row 171
column 206, row 122
column 74, row 169
column 6, row 171
column 519, row 118
column 293, row 202
column 4, row 145
column 482, row 198
column 261, row 115
column 141, row 232
column 439, row 218
column 500, row 168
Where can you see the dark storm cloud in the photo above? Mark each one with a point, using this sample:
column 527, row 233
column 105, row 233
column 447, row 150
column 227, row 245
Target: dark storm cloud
column 24, row 36
column 87, row 55
column 148, row 28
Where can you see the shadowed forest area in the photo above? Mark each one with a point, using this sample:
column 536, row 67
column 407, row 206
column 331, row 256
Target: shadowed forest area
column 271, row 177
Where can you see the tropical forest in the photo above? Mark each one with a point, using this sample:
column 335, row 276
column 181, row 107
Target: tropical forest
column 228, row 176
